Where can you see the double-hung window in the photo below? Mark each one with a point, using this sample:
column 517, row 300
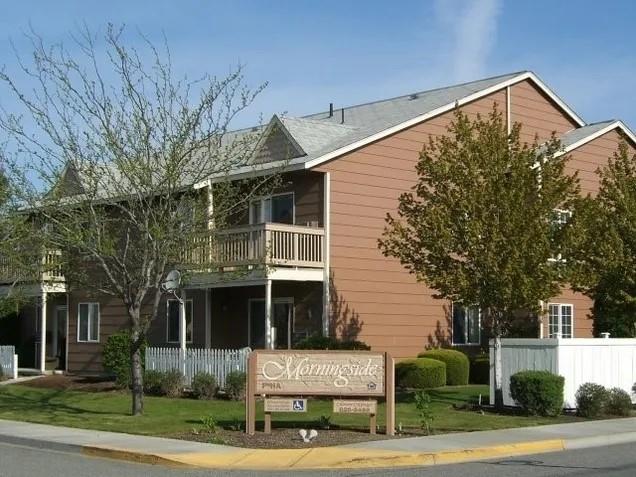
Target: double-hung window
column 277, row 208
column 560, row 217
column 173, row 321
column 88, row 323
column 560, row 320
column 466, row 325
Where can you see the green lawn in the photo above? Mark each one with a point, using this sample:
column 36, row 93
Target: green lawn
column 110, row 411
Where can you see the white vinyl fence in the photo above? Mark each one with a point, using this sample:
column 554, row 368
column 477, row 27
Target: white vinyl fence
column 610, row 362
column 9, row 362
column 218, row 362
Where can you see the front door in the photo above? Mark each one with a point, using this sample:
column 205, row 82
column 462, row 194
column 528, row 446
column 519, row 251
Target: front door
column 282, row 322
column 282, row 317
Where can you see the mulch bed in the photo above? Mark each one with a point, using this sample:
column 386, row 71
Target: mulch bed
column 74, row 383
column 284, row 438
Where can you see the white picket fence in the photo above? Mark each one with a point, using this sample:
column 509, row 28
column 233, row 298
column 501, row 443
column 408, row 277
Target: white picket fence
column 218, row 362
column 9, row 362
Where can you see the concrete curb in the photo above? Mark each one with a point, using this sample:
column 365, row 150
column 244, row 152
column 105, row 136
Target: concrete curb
column 324, row 457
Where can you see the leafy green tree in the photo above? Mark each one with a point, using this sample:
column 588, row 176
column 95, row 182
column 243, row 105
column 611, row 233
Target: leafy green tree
column 604, row 258
column 478, row 225
column 105, row 147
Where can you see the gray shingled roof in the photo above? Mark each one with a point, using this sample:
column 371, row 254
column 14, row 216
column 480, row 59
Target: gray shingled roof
column 319, row 134
column 578, row 134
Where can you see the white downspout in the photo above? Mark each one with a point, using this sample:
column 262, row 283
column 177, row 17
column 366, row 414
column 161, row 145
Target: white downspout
column 326, row 252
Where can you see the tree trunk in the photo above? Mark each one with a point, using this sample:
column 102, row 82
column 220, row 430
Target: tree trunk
column 137, row 380
column 497, row 385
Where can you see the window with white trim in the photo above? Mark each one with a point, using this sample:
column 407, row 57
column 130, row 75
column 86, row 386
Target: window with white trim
column 278, row 208
column 560, row 217
column 466, row 325
column 173, row 321
column 560, row 320
column 88, row 323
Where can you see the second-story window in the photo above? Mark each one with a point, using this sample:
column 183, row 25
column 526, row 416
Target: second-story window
column 278, row 208
column 560, row 217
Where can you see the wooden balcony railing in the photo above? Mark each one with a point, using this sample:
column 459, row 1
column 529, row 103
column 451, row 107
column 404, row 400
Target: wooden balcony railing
column 262, row 244
column 48, row 270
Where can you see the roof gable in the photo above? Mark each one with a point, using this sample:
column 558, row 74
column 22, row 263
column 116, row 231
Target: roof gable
column 580, row 136
column 276, row 143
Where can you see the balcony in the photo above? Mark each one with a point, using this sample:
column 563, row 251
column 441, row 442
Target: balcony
column 269, row 244
column 49, row 270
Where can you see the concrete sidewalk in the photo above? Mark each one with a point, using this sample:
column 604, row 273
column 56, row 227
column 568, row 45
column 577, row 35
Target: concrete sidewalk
column 431, row 450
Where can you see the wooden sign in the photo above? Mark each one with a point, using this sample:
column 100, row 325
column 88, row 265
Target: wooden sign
column 285, row 405
column 349, row 406
column 339, row 374
column 351, row 373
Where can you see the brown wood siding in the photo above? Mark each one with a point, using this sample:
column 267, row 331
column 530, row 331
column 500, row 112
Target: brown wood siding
column 393, row 312
column 537, row 113
column 87, row 357
column 590, row 157
column 582, row 310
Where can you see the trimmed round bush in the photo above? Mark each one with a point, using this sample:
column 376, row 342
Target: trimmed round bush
column 619, row 402
column 328, row 342
column 204, row 386
column 457, row 364
column 152, row 382
column 420, row 373
column 591, row 400
column 235, row 385
column 539, row 393
column 479, row 369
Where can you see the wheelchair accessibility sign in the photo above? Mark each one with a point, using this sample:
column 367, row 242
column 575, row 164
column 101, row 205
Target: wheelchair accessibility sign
column 285, row 405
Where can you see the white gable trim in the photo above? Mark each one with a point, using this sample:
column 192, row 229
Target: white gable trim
column 443, row 109
column 610, row 127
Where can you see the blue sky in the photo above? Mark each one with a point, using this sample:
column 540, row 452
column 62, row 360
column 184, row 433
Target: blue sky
column 347, row 52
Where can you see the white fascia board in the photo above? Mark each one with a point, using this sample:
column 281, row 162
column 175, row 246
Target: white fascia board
column 552, row 95
column 610, row 127
column 253, row 170
column 444, row 109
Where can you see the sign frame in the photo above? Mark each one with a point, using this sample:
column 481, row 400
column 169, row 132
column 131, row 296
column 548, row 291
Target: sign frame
column 252, row 392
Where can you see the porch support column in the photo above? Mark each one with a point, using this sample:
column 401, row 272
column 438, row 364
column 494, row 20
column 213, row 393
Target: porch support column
column 208, row 318
column 182, row 321
column 269, row 339
column 326, row 309
column 43, row 333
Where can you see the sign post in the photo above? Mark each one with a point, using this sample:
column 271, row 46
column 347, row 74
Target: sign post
column 342, row 374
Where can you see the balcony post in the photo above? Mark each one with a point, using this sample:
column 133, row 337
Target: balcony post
column 269, row 342
column 43, row 333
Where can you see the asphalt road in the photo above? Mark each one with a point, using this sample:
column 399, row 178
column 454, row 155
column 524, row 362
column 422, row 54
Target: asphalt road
column 619, row 460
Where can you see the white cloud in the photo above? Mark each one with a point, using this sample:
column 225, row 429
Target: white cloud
column 473, row 26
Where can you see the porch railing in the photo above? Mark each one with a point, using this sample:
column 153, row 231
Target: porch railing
column 218, row 362
column 49, row 269
column 268, row 244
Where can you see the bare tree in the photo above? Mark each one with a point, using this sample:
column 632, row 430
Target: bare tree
column 108, row 160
